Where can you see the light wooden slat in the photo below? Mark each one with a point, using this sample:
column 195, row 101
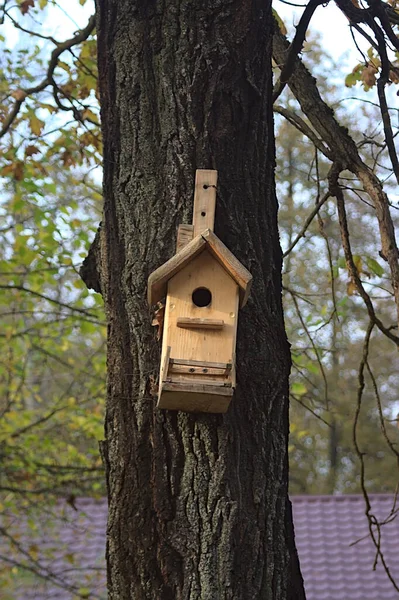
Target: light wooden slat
column 191, row 323
column 185, row 234
column 199, row 388
column 195, row 398
column 197, row 371
column 165, row 365
column 157, row 281
column 204, row 200
column 201, row 363
column 238, row 272
column 196, row 385
column 198, row 344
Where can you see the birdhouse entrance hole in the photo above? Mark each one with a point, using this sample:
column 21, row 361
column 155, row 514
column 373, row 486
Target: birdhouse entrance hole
column 202, row 297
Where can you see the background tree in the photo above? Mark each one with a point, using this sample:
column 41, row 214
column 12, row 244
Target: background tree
column 323, row 314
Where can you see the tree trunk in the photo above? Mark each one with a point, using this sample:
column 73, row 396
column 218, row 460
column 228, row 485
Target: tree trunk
column 198, row 505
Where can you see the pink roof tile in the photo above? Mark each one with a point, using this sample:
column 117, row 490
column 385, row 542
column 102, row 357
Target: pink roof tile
column 334, row 567
column 326, row 527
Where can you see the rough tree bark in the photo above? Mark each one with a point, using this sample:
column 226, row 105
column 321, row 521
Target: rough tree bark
column 198, row 505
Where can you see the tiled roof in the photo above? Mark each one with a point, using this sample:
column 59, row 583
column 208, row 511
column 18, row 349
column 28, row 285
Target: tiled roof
column 334, row 567
column 69, row 545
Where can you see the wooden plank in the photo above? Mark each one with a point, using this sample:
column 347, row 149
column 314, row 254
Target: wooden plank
column 194, row 403
column 196, row 385
column 165, row 365
column 201, row 363
column 157, row 281
column 210, row 399
column 185, row 234
column 238, row 272
column 204, row 200
column 191, row 323
column 198, row 388
column 200, row 371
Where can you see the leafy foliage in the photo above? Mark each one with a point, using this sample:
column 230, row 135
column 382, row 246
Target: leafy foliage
column 52, row 366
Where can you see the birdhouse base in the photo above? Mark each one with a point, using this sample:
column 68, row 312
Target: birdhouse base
column 195, row 397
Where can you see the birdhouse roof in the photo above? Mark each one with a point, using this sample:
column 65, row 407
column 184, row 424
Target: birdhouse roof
column 207, row 241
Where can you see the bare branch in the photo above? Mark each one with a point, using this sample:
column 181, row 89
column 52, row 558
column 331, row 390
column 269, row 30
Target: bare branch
column 304, row 128
column 373, row 523
column 43, row 297
column 295, row 47
column 79, row 37
column 350, row 263
column 308, row 221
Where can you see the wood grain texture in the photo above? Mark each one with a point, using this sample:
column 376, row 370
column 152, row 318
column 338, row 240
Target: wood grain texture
column 185, row 234
column 157, row 281
column 194, row 371
column 195, row 398
column 232, row 265
column 204, row 200
column 196, row 323
column 201, row 363
column 196, row 344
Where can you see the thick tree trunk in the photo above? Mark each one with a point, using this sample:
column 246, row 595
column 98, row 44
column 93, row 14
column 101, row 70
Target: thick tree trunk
column 198, row 505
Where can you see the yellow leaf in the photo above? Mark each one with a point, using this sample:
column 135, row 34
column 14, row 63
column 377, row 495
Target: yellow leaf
column 36, row 125
column 34, row 551
column 70, row 558
column 351, row 288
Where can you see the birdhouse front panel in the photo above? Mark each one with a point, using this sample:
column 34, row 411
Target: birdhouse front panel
column 199, row 337
column 201, row 291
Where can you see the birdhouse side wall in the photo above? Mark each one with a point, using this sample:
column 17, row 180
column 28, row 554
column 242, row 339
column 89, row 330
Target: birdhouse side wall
column 201, row 344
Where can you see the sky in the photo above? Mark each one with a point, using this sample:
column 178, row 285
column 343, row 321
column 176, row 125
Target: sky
column 329, row 22
column 63, row 20
column 59, row 21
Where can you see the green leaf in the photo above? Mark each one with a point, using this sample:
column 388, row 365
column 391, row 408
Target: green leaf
column 299, row 389
column 36, row 124
column 374, row 266
column 350, row 80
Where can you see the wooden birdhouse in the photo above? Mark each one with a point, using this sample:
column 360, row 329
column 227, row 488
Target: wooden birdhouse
column 204, row 285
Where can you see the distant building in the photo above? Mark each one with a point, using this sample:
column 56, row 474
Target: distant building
column 334, row 545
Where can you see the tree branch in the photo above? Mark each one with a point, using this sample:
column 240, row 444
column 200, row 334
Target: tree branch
column 344, row 149
column 295, row 47
column 336, row 191
column 48, row 299
column 304, row 128
column 79, row 37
